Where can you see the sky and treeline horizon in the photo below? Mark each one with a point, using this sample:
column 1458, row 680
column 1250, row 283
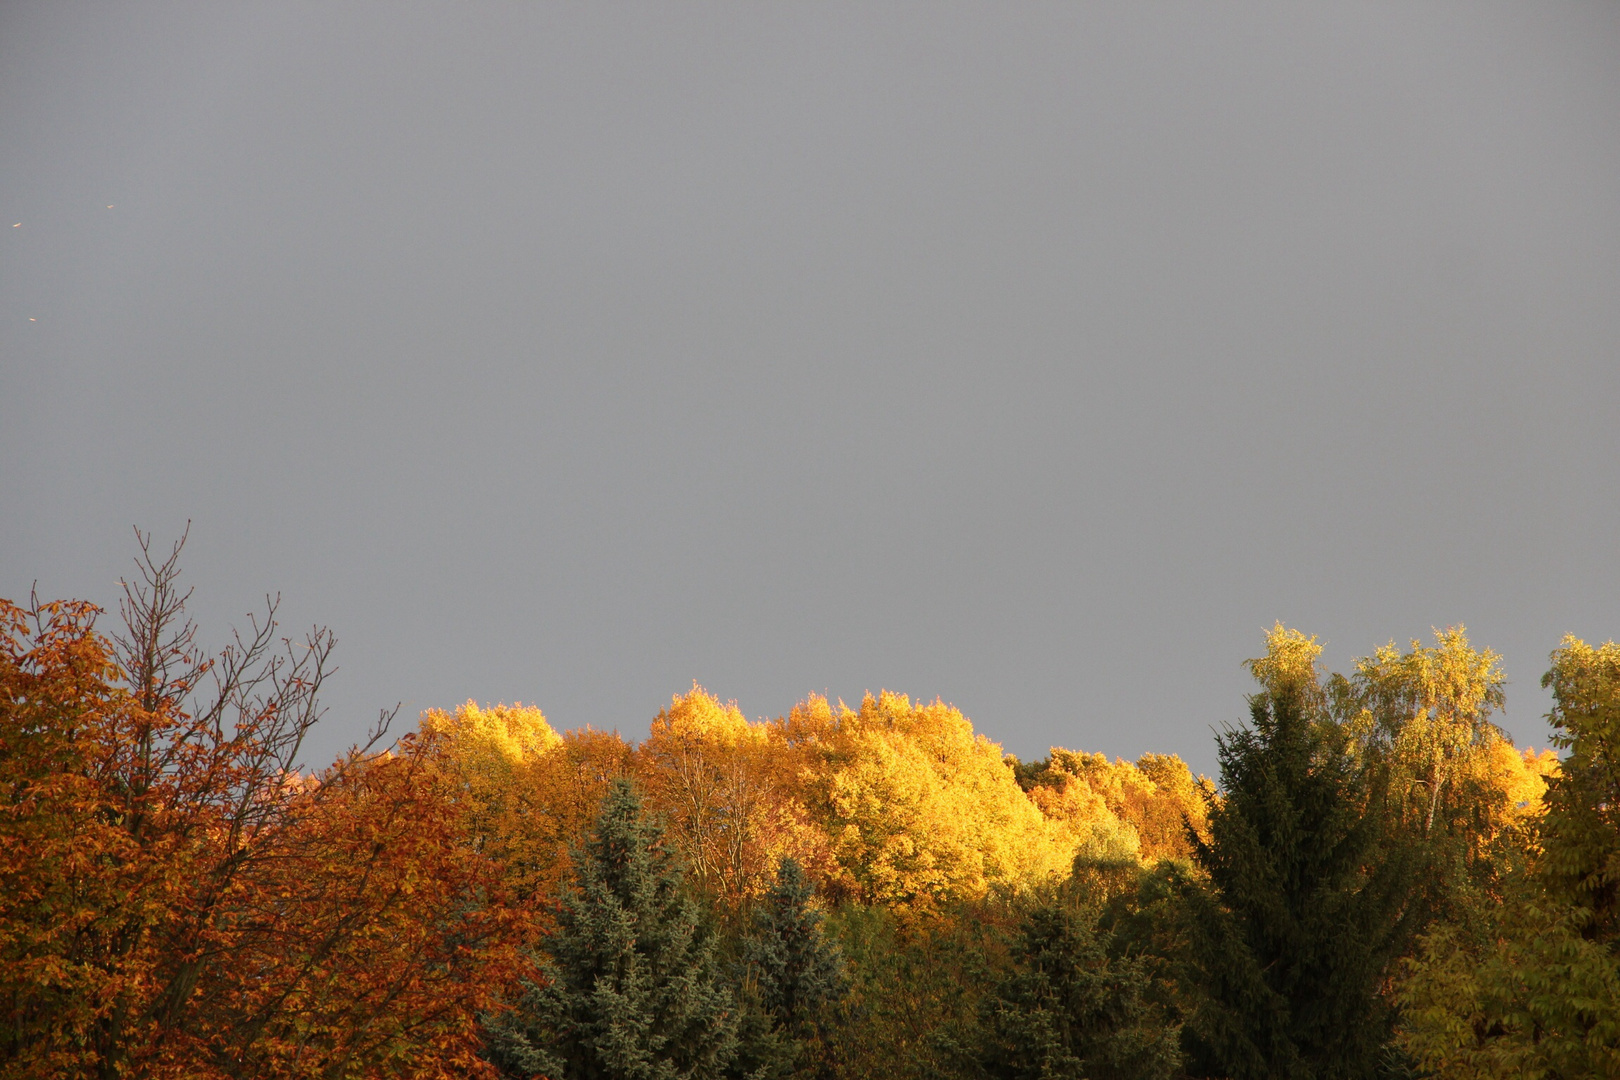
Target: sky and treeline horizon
column 1038, row 360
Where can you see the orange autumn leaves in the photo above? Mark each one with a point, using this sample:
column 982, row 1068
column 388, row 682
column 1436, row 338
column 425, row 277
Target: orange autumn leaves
column 893, row 803
column 173, row 903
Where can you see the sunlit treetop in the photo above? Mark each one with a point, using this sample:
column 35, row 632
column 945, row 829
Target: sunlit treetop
column 505, row 733
column 1289, row 662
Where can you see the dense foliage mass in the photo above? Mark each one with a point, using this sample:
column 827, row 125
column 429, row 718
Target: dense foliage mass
column 177, row 901
column 1379, row 884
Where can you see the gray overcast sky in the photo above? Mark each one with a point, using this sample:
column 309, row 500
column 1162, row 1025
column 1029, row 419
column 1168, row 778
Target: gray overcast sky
column 1035, row 357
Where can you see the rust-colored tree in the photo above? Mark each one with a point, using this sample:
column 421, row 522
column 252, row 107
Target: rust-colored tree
column 177, row 899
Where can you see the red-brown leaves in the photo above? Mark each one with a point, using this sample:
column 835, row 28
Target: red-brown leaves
column 175, row 900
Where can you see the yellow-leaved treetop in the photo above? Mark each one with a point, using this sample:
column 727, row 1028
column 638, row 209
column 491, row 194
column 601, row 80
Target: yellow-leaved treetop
column 1111, row 809
column 1421, row 720
column 1518, row 776
column 484, row 757
column 918, row 809
column 1426, row 713
column 488, row 746
column 729, row 792
column 526, row 793
column 1289, row 666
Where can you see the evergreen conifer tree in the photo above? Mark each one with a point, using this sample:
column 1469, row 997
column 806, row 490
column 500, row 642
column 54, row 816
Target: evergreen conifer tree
column 1308, row 904
column 632, row 989
column 800, row 971
column 793, row 975
column 1069, row 1011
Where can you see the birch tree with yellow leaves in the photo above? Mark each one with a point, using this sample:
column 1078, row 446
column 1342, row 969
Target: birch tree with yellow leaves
column 1426, row 715
column 1532, row 989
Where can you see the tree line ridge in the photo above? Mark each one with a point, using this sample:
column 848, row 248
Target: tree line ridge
column 1380, row 883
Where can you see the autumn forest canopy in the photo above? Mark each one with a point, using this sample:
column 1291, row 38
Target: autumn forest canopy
column 1378, row 883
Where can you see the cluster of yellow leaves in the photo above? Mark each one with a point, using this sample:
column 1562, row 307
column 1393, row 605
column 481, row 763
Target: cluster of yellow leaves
column 917, row 808
column 1422, row 718
column 1114, row 808
column 1431, row 708
column 525, row 793
column 1289, row 663
column 1517, row 777
column 893, row 803
column 731, row 791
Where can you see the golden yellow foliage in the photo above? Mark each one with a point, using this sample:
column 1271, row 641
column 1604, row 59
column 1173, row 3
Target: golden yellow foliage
column 525, row 792
column 918, row 809
column 727, row 788
column 1519, row 777
column 1155, row 799
column 1426, row 712
column 893, row 803
column 487, row 747
column 577, row 775
column 482, row 752
column 1077, row 809
column 1289, row 663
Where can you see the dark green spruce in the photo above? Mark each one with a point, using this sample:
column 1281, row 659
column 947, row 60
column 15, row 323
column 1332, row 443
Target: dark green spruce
column 793, row 977
column 632, row 990
column 800, row 972
column 1308, row 905
column 1069, row 1011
